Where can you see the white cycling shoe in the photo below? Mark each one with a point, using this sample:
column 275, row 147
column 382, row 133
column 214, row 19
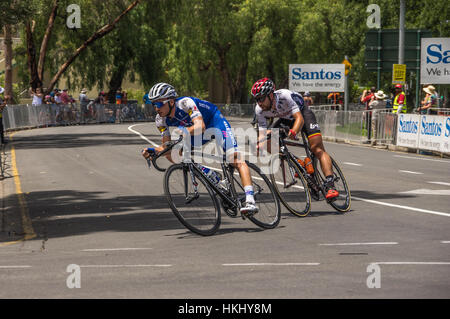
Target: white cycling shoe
column 249, row 209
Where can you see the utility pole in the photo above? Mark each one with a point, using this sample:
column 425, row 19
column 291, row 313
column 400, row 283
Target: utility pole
column 346, row 89
column 401, row 34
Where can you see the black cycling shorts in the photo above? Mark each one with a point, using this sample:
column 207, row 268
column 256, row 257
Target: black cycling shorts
column 310, row 125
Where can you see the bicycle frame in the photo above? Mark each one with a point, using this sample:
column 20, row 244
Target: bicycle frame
column 227, row 169
column 312, row 179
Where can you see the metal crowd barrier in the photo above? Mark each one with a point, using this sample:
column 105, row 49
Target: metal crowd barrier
column 45, row 115
column 375, row 126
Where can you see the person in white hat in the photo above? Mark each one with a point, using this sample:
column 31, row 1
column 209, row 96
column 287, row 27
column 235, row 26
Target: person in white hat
column 378, row 103
column 430, row 100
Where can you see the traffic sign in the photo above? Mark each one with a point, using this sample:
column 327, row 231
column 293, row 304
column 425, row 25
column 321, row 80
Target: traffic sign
column 348, row 66
column 398, row 73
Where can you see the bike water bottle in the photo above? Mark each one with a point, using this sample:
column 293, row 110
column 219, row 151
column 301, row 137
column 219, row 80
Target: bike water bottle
column 309, row 166
column 211, row 174
column 302, row 164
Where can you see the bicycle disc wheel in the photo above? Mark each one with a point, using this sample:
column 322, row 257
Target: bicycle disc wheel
column 293, row 191
column 342, row 203
column 199, row 212
column 269, row 213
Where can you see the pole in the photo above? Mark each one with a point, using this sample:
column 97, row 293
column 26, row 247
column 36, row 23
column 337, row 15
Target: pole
column 379, row 58
column 346, row 90
column 401, row 34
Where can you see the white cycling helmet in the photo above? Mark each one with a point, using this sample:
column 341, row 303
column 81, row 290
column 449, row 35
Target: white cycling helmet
column 162, row 91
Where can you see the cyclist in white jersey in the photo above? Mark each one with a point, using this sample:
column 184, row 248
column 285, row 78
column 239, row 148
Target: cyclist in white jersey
column 291, row 110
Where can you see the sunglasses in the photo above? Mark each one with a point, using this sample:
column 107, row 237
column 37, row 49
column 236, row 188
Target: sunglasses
column 160, row 104
column 260, row 98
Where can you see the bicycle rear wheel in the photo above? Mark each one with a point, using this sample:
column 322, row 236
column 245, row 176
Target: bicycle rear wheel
column 199, row 212
column 269, row 213
column 292, row 190
column 342, row 203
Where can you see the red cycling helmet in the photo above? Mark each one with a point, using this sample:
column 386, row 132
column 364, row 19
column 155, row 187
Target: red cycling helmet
column 262, row 87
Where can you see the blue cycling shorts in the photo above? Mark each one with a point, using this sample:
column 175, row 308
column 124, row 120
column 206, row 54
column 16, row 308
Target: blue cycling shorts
column 218, row 129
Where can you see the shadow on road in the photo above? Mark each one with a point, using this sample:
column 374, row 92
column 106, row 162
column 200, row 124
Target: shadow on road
column 51, row 141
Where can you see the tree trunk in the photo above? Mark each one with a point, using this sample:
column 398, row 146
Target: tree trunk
column 8, row 65
column 116, row 82
column 97, row 35
column 35, row 81
column 45, row 40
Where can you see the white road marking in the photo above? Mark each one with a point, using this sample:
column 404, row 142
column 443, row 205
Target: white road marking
column 273, row 264
column 353, row 164
column 14, row 267
column 423, row 159
column 440, row 183
column 424, row 191
column 445, row 242
column 359, row 244
column 114, row 249
column 411, row 263
column 410, row 172
column 354, row 197
column 130, row 128
column 402, row 207
column 122, row 266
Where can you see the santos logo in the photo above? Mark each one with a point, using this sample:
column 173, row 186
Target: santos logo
column 297, row 74
column 408, row 126
column 447, row 127
column 431, row 128
column 435, row 54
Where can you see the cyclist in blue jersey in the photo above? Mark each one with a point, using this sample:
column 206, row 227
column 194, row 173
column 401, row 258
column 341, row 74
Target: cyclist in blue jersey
column 193, row 115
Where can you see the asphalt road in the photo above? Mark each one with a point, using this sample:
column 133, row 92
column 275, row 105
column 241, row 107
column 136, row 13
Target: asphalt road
column 83, row 196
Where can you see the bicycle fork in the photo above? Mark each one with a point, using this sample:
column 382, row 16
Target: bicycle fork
column 190, row 198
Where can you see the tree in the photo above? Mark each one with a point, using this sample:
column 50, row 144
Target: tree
column 50, row 41
column 11, row 14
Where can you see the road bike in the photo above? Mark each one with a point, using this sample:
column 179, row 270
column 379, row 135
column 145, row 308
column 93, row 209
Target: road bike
column 296, row 184
column 197, row 200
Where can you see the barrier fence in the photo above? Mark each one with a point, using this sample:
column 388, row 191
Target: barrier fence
column 361, row 126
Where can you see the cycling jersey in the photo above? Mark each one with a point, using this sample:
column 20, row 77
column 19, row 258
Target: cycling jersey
column 287, row 103
column 189, row 108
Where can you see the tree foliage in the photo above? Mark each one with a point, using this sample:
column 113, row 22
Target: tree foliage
column 188, row 42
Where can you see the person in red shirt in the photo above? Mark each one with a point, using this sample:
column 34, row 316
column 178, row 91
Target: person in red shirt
column 368, row 96
column 65, row 98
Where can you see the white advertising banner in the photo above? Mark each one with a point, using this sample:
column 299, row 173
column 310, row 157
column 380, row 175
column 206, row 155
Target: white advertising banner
column 427, row 132
column 317, row 77
column 435, row 61
column 408, row 130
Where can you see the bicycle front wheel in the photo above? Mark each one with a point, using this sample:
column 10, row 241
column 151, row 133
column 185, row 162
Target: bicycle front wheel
column 269, row 213
column 199, row 211
column 290, row 185
column 342, row 203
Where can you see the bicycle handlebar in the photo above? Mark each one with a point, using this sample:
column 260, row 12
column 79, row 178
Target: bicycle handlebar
column 168, row 147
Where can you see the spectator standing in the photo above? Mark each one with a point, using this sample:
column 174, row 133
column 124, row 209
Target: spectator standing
column 334, row 97
column 376, row 105
column 65, row 99
column 37, row 96
column 399, row 104
column 84, row 101
column 368, row 96
column 430, row 100
column 124, row 97
column 119, row 96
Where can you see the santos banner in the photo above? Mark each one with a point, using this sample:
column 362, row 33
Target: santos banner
column 435, row 61
column 316, row 77
column 426, row 132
